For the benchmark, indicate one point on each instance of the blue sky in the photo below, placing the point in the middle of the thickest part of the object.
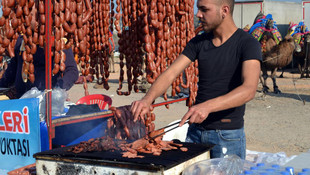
(195, 7)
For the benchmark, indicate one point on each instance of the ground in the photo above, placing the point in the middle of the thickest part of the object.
(273, 122)
(280, 122)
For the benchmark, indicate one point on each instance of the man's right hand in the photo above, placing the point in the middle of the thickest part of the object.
(160, 85)
(140, 108)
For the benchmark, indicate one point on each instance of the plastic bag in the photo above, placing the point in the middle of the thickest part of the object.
(59, 97)
(230, 165)
(279, 158)
(35, 93)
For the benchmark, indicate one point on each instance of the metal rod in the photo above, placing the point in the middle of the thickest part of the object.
(48, 72)
(81, 118)
(104, 114)
(169, 102)
(97, 115)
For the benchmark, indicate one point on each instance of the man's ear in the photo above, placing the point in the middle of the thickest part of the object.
(226, 10)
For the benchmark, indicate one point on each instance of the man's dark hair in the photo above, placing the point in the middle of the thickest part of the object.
(231, 4)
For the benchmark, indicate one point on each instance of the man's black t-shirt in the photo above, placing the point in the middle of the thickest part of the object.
(220, 72)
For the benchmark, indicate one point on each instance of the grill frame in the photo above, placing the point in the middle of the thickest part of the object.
(86, 163)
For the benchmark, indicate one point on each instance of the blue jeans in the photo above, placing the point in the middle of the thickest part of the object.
(226, 142)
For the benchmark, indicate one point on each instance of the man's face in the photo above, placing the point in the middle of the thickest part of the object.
(209, 13)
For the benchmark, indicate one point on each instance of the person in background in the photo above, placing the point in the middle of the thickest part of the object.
(111, 52)
(229, 63)
(13, 74)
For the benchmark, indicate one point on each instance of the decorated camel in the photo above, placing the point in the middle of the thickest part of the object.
(277, 52)
(301, 36)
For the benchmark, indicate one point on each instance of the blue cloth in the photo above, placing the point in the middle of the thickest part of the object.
(298, 28)
(263, 22)
(227, 142)
(259, 24)
(13, 74)
(44, 136)
(75, 133)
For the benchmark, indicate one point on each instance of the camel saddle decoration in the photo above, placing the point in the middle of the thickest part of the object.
(297, 31)
(265, 24)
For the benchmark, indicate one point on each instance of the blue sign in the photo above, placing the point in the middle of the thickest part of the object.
(19, 133)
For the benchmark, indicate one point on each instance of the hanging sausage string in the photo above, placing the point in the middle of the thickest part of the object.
(152, 33)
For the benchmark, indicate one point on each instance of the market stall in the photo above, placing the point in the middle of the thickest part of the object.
(151, 35)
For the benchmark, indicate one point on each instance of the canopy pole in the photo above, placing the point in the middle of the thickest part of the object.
(48, 68)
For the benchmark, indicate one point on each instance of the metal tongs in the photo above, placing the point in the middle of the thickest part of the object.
(152, 138)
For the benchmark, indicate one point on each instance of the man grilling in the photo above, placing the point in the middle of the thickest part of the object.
(229, 67)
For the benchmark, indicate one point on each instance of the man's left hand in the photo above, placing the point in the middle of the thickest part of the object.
(195, 114)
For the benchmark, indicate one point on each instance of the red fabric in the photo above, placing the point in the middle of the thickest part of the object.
(260, 19)
(111, 43)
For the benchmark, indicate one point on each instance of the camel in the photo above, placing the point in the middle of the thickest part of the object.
(276, 56)
(277, 53)
(303, 57)
(301, 36)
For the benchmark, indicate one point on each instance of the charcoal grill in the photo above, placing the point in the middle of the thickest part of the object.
(173, 162)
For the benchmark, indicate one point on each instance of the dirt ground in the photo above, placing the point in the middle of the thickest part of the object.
(280, 122)
(273, 122)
